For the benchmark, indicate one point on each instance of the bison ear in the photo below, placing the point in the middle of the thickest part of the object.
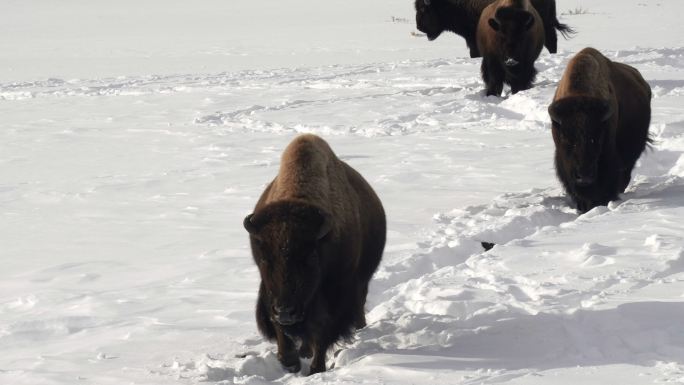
(529, 21)
(249, 225)
(326, 225)
(554, 115)
(494, 24)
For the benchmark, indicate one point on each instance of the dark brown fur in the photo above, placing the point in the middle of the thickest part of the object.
(600, 117)
(509, 31)
(317, 235)
(461, 17)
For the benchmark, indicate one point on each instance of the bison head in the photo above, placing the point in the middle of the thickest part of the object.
(285, 238)
(580, 127)
(427, 18)
(511, 26)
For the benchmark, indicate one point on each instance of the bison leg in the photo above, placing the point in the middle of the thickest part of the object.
(582, 206)
(472, 46)
(287, 352)
(264, 323)
(626, 178)
(305, 351)
(493, 75)
(322, 337)
(319, 353)
(523, 78)
(360, 316)
(360, 320)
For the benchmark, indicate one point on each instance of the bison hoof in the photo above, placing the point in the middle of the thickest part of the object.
(291, 364)
(317, 369)
(292, 368)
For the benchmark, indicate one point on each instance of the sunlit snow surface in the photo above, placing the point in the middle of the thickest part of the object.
(124, 181)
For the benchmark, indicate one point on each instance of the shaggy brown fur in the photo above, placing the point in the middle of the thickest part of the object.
(600, 117)
(510, 36)
(317, 235)
(461, 17)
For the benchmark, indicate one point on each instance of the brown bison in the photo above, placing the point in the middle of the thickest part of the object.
(510, 37)
(600, 116)
(461, 17)
(317, 235)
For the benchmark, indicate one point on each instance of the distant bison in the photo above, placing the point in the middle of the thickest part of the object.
(510, 37)
(317, 235)
(462, 16)
(600, 117)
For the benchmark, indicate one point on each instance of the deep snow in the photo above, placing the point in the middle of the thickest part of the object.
(136, 137)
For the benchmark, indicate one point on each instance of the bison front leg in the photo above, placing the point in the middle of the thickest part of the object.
(493, 75)
(523, 78)
(287, 352)
(360, 316)
(321, 338)
(306, 350)
(319, 352)
(472, 46)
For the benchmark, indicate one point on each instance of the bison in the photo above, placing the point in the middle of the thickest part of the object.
(600, 117)
(461, 17)
(510, 37)
(317, 235)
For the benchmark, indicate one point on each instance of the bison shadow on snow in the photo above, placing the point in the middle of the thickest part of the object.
(640, 333)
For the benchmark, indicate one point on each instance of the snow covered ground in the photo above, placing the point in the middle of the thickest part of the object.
(136, 136)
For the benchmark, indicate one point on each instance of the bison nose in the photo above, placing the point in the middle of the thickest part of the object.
(510, 62)
(286, 315)
(585, 179)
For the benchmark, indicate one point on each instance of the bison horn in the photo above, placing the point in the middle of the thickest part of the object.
(529, 22)
(554, 116)
(494, 24)
(608, 114)
(427, 2)
(249, 225)
(326, 226)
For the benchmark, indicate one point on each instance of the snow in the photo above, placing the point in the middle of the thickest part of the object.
(137, 136)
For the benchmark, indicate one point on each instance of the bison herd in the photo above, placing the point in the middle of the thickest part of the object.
(317, 233)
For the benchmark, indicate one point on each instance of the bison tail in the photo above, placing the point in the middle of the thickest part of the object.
(564, 29)
(650, 142)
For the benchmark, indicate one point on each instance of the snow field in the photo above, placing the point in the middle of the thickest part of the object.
(123, 193)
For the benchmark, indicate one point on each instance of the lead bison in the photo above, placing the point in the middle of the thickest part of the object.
(317, 235)
(461, 17)
(600, 117)
(510, 37)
